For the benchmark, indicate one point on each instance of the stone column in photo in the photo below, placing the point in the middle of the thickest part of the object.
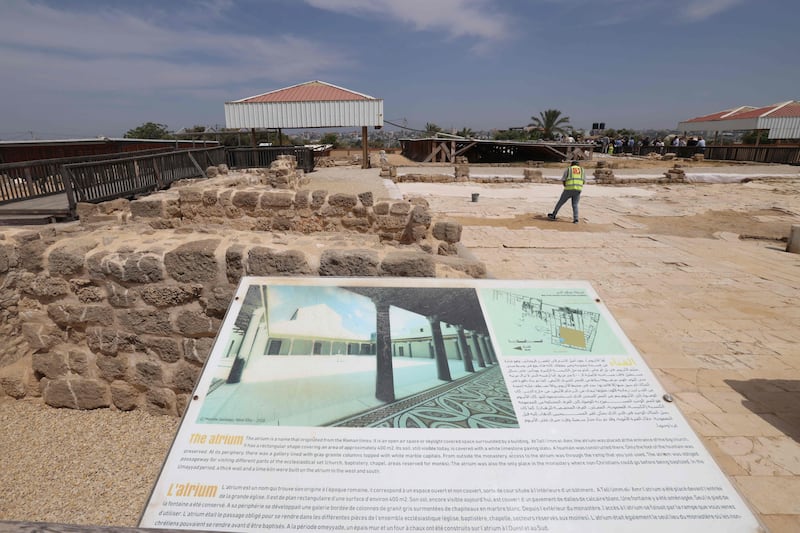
(439, 351)
(384, 378)
(467, 353)
(487, 345)
(478, 350)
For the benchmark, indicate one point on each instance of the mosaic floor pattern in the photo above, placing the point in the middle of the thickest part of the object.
(476, 401)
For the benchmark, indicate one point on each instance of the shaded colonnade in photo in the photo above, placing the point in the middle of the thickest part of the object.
(459, 307)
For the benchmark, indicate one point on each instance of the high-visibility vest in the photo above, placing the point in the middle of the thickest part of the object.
(574, 181)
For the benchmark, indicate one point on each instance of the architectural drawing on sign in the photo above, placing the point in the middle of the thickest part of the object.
(559, 325)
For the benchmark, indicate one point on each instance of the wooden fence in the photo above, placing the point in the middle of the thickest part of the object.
(35, 179)
(264, 156)
(100, 181)
(788, 155)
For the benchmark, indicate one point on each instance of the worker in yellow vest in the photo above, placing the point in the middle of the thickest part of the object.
(573, 179)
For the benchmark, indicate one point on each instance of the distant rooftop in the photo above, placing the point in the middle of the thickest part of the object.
(311, 91)
(780, 110)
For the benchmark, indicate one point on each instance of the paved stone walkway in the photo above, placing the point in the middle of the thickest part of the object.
(717, 319)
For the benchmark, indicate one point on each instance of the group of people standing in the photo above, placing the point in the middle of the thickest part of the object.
(629, 145)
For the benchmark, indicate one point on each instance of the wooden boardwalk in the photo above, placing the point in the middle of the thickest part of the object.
(43, 210)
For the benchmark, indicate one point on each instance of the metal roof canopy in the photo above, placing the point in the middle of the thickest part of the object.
(782, 120)
(314, 104)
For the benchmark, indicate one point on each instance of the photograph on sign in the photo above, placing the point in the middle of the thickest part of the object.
(306, 356)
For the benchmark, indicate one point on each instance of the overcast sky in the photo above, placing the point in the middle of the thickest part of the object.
(80, 68)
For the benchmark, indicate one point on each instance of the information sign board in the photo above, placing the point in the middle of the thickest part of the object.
(385, 404)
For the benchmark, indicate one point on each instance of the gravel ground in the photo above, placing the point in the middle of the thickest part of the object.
(78, 467)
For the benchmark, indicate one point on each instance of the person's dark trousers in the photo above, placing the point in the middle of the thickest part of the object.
(568, 195)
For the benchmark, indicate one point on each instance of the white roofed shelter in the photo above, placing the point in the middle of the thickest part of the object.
(314, 104)
(781, 120)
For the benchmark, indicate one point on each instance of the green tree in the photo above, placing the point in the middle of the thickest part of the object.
(149, 130)
(432, 129)
(465, 132)
(330, 138)
(761, 135)
(551, 122)
(511, 135)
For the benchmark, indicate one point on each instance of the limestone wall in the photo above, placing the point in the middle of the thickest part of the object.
(120, 309)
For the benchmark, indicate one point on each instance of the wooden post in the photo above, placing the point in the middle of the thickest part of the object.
(364, 148)
(253, 139)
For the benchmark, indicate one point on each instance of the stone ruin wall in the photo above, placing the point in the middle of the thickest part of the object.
(93, 317)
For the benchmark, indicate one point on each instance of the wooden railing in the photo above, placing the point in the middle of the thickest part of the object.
(35, 179)
(789, 155)
(100, 181)
(264, 156)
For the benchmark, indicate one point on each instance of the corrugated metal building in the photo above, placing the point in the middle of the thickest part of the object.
(314, 104)
(782, 120)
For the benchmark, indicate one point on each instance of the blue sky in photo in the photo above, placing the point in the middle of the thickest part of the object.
(357, 311)
(81, 68)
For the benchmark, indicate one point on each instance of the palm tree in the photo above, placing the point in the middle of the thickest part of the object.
(465, 132)
(550, 122)
(432, 129)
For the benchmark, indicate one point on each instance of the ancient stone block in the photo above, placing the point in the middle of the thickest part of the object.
(197, 350)
(391, 222)
(42, 336)
(345, 201)
(193, 324)
(318, 198)
(447, 231)
(85, 290)
(14, 384)
(400, 208)
(78, 362)
(277, 200)
(50, 364)
(471, 267)
(217, 302)
(381, 208)
(152, 322)
(302, 199)
(126, 266)
(79, 316)
(147, 208)
(366, 198)
(184, 376)
(120, 296)
(110, 341)
(124, 396)
(420, 216)
(209, 197)
(357, 224)
(281, 223)
(8, 257)
(43, 287)
(212, 172)
(413, 233)
(30, 255)
(266, 262)
(148, 374)
(112, 368)
(190, 195)
(167, 349)
(68, 259)
(246, 200)
(348, 263)
(447, 248)
(193, 262)
(234, 263)
(77, 393)
(408, 264)
(169, 295)
(160, 401)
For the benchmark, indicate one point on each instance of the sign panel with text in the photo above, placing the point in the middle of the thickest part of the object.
(387, 404)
